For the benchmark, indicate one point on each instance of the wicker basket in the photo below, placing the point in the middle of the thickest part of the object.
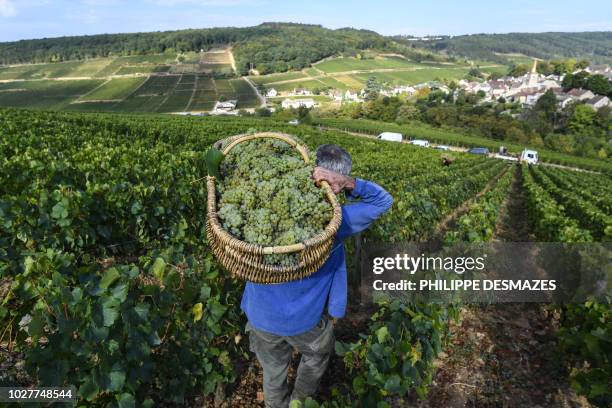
(246, 260)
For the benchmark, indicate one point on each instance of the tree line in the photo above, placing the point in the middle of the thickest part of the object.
(268, 47)
(596, 46)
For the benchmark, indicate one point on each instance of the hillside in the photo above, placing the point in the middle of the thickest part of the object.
(594, 46)
(280, 47)
(268, 47)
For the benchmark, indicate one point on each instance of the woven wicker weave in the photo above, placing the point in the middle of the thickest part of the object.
(246, 260)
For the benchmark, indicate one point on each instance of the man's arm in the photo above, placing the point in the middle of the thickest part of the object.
(374, 202)
(356, 217)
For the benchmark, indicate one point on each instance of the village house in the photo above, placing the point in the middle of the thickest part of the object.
(296, 103)
(481, 86)
(401, 89)
(439, 86)
(527, 97)
(300, 92)
(225, 108)
(498, 88)
(598, 102)
(549, 84)
(469, 86)
(463, 83)
(564, 100)
(581, 94)
(335, 95)
(598, 69)
(554, 77)
(350, 96)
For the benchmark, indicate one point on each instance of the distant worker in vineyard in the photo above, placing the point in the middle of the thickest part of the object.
(291, 315)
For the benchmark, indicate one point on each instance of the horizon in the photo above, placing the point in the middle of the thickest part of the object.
(38, 19)
(310, 24)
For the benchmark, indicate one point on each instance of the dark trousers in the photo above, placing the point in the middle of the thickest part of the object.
(274, 355)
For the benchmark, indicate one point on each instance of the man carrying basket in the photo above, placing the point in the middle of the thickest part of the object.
(291, 315)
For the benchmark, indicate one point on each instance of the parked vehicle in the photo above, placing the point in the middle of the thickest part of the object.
(391, 136)
(444, 148)
(422, 143)
(479, 150)
(294, 122)
(529, 156)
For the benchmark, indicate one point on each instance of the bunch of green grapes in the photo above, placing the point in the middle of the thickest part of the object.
(267, 197)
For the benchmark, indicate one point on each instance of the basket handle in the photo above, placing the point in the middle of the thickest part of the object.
(270, 135)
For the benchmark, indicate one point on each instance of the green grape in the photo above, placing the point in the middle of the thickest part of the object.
(267, 197)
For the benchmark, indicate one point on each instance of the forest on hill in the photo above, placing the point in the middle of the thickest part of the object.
(268, 47)
(279, 47)
(594, 46)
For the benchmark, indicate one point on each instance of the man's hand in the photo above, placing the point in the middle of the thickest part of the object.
(336, 181)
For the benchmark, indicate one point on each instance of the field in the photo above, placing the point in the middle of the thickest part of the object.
(265, 79)
(415, 77)
(104, 250)
(216, 61)
(354, 64)
(209, 90)
(243, 91)
(58, 70)
(164, 93)
(290, 86)
(212, 61)
(140, 83)
(114, 89)
(352, 73)
(150, 96)
(178, 100)
(136, 64)
(98, 68)
(44, 94)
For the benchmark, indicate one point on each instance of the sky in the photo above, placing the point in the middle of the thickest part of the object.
(25, 19)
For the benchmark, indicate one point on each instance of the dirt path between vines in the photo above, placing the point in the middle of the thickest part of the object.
(448, 221)
(512, 224)
(504, 355)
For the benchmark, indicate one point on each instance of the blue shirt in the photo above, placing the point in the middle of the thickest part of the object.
(291, 308)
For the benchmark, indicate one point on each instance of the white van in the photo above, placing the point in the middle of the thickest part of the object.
(391, 137)
(422, 143)
(529, 156)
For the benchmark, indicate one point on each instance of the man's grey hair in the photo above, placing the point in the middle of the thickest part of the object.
(333, 157)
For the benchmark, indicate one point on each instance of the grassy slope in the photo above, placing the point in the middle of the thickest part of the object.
(117, 88)
(350, 64)
(141, 94)
(52, 95)
(339, 73)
